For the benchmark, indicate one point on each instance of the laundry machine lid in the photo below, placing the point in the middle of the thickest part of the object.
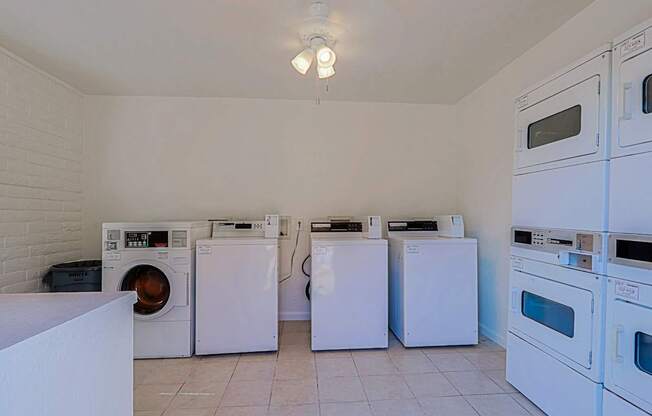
(234, 241)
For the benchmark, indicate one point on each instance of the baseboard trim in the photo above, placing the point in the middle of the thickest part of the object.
(294, 316)
(490, 333)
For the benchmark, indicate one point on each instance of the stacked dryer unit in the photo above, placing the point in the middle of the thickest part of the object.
(348, 296)
(433, 282)
(237, 287)
(628, 373)
(560, 194)
(157, 261)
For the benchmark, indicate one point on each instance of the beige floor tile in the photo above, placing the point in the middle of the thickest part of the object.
(140, 374)
(197, 396)
(375, 353)
(336, 367)
(405, 407)
(430, 385)
(242, 411)
(295, 338)
(496, 405)
(527, 404)
(487, 360)
(168, 372)
(374, 365)
(294, 410)
(401, 351)
(328, 355)
(345, 409)
(341, 389)
(498, 377)
(154, 396)
(289, 392)
(295, 370)
(295, 352)
(254, 371)
(447, 406)
(190, 412)
(473, 382)
(385, 388)
(259, 356)
(211, 372)
(219, 358)
(247, 393)
(296, 326)
(407, 364)
(451, 362)
(148, 413)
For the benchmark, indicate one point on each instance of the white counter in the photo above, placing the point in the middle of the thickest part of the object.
(66, 354)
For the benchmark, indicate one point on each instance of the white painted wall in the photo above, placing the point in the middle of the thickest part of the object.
(486, 137)
(40, 174)
(195, 158)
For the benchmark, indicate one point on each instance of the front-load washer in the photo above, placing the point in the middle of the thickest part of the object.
(433, 285)
(237, 287)
(561, 163)
(556, 319)
(156, 260)
(628, 372)
(348, 296)
(631, 150)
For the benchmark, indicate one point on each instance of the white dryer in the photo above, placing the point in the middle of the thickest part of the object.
(561, 152)
(555, 342)
(237, 287)
(631, 150)
(433, 285)
(156, 260)
(628, 372)
(348, 297)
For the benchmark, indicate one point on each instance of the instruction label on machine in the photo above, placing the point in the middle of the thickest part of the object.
(627, 290)
(412, 249)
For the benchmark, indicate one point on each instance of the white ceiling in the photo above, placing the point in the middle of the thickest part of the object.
(420, 51)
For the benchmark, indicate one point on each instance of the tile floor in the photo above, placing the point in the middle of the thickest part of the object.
(450, 381)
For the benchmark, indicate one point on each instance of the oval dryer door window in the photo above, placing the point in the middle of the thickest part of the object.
(151, 286)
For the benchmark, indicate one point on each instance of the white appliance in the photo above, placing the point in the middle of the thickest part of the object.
(556, 319)
(562, 127)
(157, 261)
(450, 225)
(237, 288)
(433, 285)
(348, 284)
(631, 150)
(629, 321)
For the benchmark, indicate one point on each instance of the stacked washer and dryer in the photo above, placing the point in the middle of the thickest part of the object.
(628, 375)
(558, 255)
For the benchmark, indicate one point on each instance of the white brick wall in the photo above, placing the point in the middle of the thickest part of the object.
(40, 174)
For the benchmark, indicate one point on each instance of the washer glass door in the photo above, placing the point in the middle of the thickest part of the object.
(151, 286)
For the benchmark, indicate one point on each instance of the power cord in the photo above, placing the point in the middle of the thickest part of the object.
(294, 251)
(303, 269)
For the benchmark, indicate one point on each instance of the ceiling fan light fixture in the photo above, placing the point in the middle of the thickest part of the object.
(325, 71)
(326, 57)
(303, 61)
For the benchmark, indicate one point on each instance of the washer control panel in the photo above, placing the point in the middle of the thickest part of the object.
(146, 239)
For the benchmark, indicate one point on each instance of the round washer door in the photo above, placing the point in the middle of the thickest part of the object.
(152, 287)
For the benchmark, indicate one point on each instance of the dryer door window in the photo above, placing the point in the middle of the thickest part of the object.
(560, 126)
(644, 352)
(151, 286)
(647, 95)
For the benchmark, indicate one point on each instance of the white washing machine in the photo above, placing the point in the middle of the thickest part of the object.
(555, 344)
(156, 260)
(629, 322)
(237, 287)
(349, 284)
(433, 285)
(631, 150)
(562, 144)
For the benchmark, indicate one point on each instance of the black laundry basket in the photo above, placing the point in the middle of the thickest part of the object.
(76, 276)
